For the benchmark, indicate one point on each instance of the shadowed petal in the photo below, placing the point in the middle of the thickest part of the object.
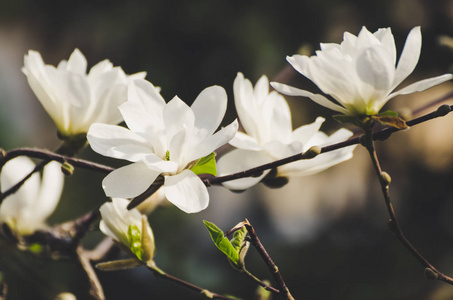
(240, 160)
(186, 191)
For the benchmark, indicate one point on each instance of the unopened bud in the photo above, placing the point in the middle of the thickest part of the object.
(312, 152)
(67, 168)
(386, 179)
(443, 110)
(431, 274)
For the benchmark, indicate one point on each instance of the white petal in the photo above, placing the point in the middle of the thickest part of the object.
(322, 161)
(176, 115)
(241, 160)
(117, 142)
(246, 106)
(376, 71)
(159, 165)
(246, 142)
(186, 191)
(77, 63)
(143, 111)
(421, 85)
(129, 181)
(220, 138)
(12, 172)
(304, 133)
(116, 219)
(50, 192)
(209, 108)
(409, 56)
(388, 42)
(321, 100)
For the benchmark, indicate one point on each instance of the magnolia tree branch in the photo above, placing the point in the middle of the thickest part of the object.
(213, 180)
(281, 285)
(384, 179)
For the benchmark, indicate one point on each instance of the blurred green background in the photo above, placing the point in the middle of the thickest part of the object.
(327, 233)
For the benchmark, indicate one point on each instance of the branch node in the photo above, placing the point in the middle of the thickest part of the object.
(443, 110)
(385, 178)
(312, 152)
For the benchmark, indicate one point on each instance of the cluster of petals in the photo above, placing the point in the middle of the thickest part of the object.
(163, 139)
(27, 210)
(266, 119)
(360, 73)
(116, 220)
(73, 98)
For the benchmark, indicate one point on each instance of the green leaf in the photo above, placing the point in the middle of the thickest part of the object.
(222, 242)
(388, 113)
(206, 165)
(135, 241)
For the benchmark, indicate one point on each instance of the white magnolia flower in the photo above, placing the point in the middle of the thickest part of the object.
(165, 139)
(126, 226)
(360, 72)
(269, 136)
(73, 98)
(27, 210)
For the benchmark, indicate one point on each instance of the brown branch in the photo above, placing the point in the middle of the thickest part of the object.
(284, 291)
(384, 179)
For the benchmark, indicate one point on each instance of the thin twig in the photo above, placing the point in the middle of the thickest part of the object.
(384, 179)
(260, 282)
(284, 291)
(83, 260)
(208, 294)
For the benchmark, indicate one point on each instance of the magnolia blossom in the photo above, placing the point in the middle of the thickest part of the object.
(166, 139)
(269, 136)
(27, 210)
(360, 72)
(126, 226)
(74, 99)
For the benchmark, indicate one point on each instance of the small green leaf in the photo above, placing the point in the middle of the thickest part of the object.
(135, 241)
(205, 165)
(388, 113)
(222, 242)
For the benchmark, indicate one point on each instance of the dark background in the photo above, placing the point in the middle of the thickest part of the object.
(338, 247)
